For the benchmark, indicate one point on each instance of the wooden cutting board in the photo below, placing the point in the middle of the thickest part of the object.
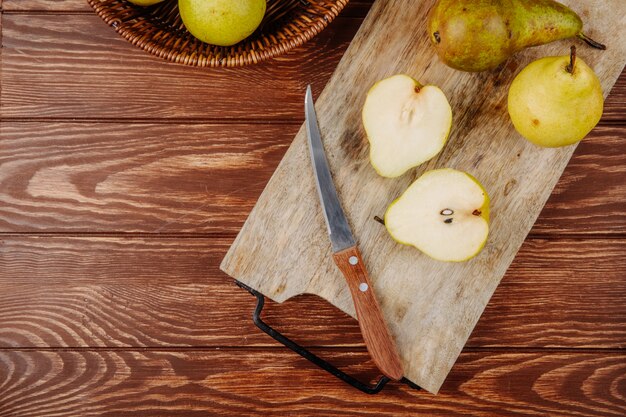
(283, 249)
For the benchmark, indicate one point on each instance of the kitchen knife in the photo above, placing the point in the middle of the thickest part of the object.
(346, 255)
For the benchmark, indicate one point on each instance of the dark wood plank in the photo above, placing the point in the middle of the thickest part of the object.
(589, 197)
(199, 178)
(264, 382)
(551, 286)
(136, 292)
(52, 69)
(133, 177)
(85, 69)
(45, 5)
(615, 104)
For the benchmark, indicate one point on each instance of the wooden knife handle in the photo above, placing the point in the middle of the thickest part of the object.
(380, 344)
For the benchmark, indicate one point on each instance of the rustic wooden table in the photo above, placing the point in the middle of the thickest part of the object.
(124, 179)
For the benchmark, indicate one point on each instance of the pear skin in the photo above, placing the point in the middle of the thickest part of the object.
(222, 22)
(556, 101)
(479, 35)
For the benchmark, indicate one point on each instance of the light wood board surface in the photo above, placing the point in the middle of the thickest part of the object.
(431, 307)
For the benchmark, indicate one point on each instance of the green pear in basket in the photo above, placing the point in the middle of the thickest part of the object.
(145, 2)
(222, 22)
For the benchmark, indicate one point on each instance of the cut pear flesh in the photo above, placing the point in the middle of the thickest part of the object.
(444, 213)
(406, 124)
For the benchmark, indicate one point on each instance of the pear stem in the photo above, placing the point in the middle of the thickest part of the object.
(591, 42)
(572, 60)
(379, 220)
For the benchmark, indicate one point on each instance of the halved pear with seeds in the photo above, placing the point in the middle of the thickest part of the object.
(406, 124)
(444, 213)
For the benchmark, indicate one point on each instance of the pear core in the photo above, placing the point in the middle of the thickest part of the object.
(406, 124)
(444, 213)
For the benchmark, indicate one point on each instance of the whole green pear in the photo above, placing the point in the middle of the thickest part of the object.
(222, 22)
(145, 2)
(555, 101)
(478, 35)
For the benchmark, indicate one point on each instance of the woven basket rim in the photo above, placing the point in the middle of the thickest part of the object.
(170, 53)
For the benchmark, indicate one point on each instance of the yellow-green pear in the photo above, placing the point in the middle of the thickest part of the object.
(479, 35)
(444, 213)
(556, 101)
(145, 2)
(222, 22)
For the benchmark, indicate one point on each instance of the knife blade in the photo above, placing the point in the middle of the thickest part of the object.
(347, 257)
(338, 228)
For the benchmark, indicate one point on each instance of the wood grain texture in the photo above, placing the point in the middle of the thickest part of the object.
(144, 292)
(85, 70)
(205, 178)
(595, 184)
(379, 342)
(430, 306)
(229, 382)
(171, 334)
(94, 77)
(134, 177)
(45, 6)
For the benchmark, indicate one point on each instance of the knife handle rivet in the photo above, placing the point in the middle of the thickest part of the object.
(353, 260)
(363, 287)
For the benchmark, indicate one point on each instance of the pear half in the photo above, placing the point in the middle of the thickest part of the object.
(444, 213)
(406, 124)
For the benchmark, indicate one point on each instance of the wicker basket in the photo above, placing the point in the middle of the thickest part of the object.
(159, 30)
